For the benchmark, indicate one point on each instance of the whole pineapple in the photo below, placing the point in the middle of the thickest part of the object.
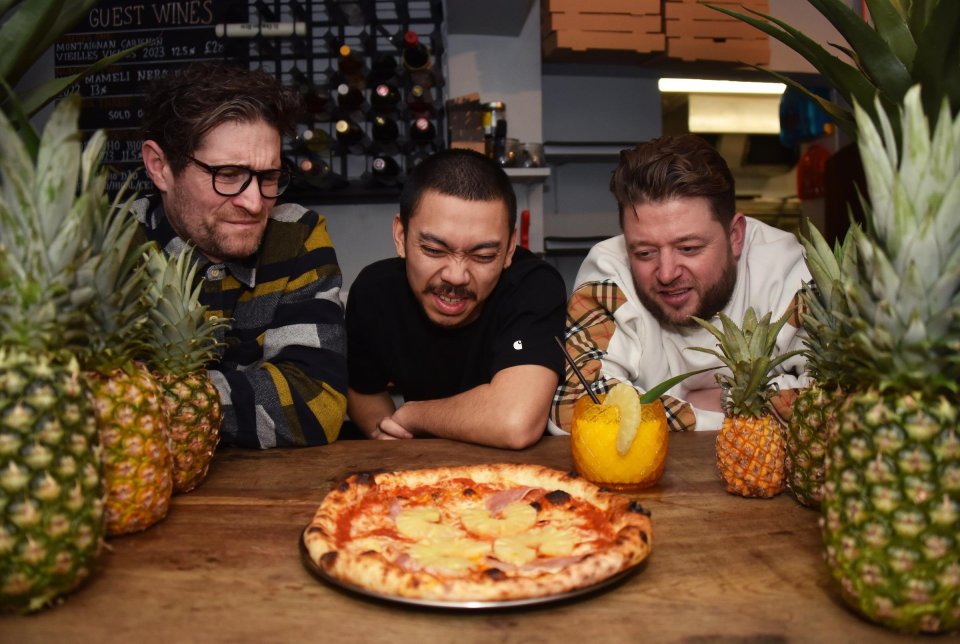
(891, 506)
(182, 343)
(815, 409)
(750, 445)
(127, 399)
(51, 506)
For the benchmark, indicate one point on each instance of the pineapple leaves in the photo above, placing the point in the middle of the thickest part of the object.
(874, 55)
(937, 64)
(846, 79)
(747, 351)
(893, 29)
(58, 165)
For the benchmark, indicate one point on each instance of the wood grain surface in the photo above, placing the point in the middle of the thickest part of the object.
(224, 565)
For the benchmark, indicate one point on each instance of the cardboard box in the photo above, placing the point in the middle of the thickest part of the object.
(695, 11)
(590, 40)
(712, 29)
(752, 51)
(633, 7)
(602, 22)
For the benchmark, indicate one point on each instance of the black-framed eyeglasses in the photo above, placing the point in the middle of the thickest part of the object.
(231, 180)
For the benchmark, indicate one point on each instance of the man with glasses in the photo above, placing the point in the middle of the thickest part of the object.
(461, 325)
(212, 147)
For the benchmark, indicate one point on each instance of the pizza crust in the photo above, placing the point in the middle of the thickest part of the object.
(582, 535)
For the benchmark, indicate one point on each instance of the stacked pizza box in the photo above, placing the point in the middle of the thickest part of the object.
(584, 25)
(697, 32)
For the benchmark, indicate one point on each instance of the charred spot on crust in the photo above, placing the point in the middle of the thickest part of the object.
(643, 537)
(536, 506)
(557, 497)
(328, 559)
(344, 486)
(468, 492)
(573, 474)
(495, 574)
(315, 530)
(365, 478)
(639, 509)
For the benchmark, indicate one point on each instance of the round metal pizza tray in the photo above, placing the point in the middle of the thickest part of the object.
(604, 584)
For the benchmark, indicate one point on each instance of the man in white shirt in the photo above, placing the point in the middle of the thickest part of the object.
(684, 252)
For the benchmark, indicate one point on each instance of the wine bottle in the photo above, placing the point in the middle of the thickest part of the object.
(420, 100)
(350, 135)
(349, 99)
(314, 167)
(382, 68)
(317, 172)
(385, 98)
(384, 129)
(351, 68)
(316, 101)
(385, 169)
(314, 140)
(417, 60)
(422, 131)
(415, 54)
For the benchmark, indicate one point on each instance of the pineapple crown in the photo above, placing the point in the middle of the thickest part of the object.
(46, 204)
(181, 339)
(824, 312)
(903, 288)
(747, 351)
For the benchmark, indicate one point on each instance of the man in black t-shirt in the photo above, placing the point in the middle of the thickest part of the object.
(461, 324)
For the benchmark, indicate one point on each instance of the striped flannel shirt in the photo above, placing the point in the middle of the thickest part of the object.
(591, 322)
(282, 370)
(612, 337)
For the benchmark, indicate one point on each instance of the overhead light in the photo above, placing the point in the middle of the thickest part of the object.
(701, 86)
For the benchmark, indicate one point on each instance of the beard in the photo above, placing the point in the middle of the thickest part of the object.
(209, 239)
(712, 299)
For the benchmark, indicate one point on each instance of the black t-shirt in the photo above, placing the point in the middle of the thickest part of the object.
(391, 340)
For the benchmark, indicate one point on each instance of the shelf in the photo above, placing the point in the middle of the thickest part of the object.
(560, 152)
(528, 175)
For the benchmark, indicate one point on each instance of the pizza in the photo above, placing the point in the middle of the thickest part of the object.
(475, 533)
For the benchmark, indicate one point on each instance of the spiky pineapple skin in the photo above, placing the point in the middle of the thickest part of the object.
(192, 406)
(51, 504)
(750, 456)
(891, 510)
(137, 462)
(813, 421)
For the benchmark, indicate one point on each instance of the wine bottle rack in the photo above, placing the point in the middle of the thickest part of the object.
(299, 42)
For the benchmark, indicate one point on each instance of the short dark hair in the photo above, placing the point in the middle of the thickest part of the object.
(183, 106)
(674, 167)
(458, 173)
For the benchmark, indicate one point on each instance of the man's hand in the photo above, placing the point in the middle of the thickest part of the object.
(782, 402)
(389, 429)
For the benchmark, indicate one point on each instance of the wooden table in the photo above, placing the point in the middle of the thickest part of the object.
(225, 566)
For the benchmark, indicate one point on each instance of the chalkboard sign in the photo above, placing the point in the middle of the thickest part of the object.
(176, 32)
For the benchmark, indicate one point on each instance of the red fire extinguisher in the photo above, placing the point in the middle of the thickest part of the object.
(525, 229)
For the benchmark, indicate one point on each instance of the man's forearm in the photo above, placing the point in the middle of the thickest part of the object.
(510, 412)
(366, 410)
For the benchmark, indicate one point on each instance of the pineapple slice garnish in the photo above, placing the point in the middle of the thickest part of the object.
(515, 518)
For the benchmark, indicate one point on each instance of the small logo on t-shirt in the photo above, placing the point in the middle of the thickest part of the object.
(518, 345)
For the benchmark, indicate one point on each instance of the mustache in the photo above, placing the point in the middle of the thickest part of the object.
(443, 289)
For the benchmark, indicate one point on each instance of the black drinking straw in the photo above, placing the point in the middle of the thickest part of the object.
(583, 380)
